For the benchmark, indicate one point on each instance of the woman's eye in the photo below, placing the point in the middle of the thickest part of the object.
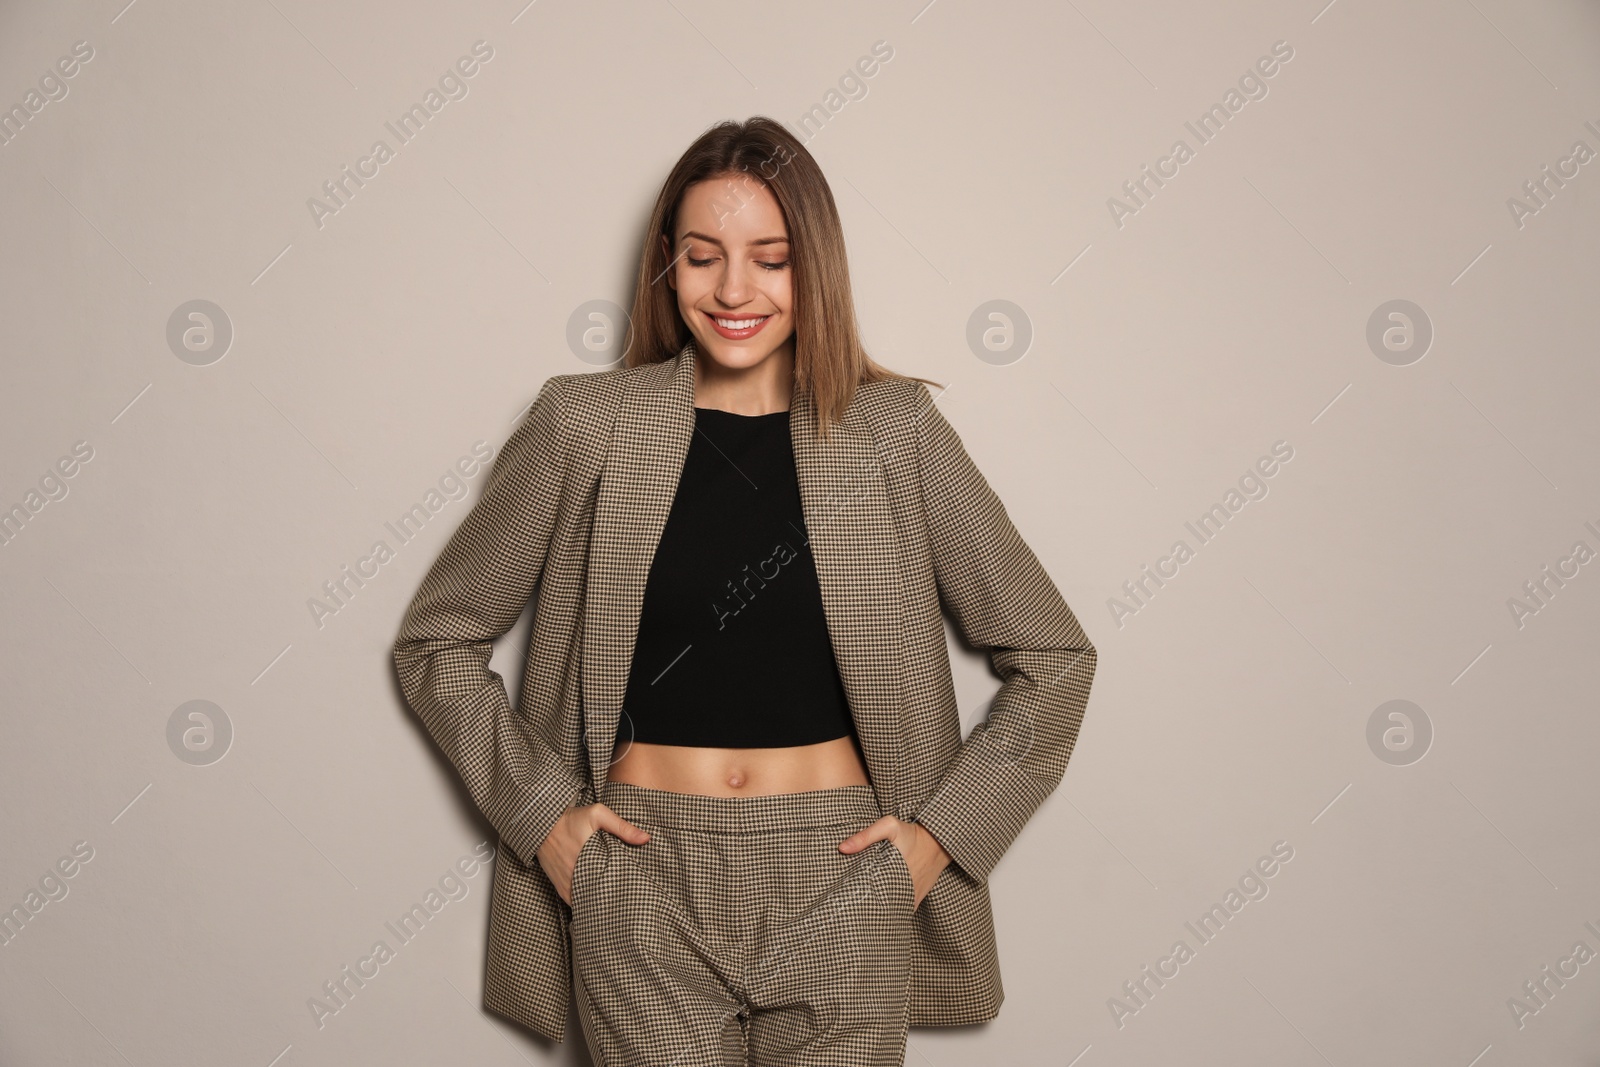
(768, 265)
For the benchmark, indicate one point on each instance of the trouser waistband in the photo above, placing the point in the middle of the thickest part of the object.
(841, 805)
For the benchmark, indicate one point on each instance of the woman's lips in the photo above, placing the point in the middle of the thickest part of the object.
(755, 322)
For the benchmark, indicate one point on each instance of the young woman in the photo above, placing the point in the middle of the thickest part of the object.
(738, 820)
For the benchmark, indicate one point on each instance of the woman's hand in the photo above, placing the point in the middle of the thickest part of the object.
(924, 855)
(558, 855)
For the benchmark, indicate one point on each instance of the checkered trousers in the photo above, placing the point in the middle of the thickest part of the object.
(740, 934)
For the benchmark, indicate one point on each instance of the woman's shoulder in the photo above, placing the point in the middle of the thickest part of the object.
(588, 401)
(889, 398)
(893, 406)
(592, 388)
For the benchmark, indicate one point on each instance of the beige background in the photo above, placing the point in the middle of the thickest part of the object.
(1230, 312)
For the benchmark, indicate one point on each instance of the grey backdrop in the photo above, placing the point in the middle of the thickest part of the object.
(1159, 341)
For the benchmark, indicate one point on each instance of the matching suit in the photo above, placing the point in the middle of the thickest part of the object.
(900, 521)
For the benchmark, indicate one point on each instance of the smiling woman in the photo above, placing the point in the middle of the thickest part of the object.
(747, 239)
(738, 725)
(734, 285)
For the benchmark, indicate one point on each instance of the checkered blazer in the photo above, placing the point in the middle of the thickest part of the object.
(899, 520)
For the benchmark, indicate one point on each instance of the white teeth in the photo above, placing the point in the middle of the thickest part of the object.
(739, 324)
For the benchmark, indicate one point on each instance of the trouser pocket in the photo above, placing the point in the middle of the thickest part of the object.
(590, 854)
(895, 872)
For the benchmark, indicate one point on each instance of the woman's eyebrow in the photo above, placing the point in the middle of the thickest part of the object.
(758, 241)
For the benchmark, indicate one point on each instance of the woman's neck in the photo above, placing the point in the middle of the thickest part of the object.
(761, 389)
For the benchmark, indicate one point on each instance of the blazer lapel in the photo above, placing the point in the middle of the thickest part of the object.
(638, 482)
(851, 531)
(850, 528)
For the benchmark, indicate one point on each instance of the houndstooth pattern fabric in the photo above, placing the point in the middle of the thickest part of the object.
(739, 933)
(900, 521)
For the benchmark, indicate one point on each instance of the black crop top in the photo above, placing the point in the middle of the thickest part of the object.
(733, 648)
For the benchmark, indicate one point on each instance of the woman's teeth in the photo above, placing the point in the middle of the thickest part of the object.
(739, 324)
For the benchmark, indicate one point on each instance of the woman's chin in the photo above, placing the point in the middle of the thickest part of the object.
(732, 355)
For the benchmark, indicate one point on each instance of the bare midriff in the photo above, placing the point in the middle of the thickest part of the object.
(733, 772)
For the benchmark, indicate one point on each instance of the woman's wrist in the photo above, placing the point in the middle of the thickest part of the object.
(945, 858)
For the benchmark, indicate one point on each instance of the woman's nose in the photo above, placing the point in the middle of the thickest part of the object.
(735, 285)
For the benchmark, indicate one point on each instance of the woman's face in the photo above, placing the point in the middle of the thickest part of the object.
(732, 272)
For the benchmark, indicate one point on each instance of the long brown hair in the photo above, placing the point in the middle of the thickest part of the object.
(829, 359)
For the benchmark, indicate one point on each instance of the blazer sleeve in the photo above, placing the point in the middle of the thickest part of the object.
(475, 592)
(1003, 600)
